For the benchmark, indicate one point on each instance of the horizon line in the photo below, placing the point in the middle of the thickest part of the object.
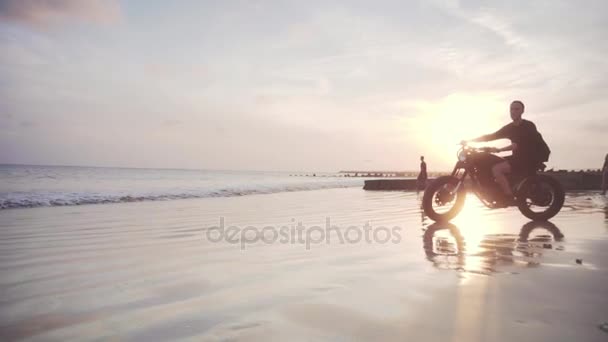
(246, 170)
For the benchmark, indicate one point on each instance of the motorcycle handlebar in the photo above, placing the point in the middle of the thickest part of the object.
(488, 149)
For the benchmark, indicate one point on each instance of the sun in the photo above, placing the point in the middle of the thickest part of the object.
(441, 125)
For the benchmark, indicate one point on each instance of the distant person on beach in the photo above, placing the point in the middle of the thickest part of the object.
(605, 176)
(422, 176)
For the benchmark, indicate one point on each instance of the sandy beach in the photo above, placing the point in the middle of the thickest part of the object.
(248, 170)
(161, 271)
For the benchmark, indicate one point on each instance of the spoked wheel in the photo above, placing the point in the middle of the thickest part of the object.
(441, 201)
(540, 198)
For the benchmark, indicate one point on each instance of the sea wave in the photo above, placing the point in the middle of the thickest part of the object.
(58, 198)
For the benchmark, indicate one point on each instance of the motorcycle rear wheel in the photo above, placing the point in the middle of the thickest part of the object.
(543, 192)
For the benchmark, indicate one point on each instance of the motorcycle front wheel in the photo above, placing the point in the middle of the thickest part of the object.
(441, 201)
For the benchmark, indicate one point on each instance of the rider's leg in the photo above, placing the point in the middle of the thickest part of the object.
(499, 170)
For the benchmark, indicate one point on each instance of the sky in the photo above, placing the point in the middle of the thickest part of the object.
(296, 85)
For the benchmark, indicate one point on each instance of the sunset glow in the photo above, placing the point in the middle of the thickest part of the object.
(294, 86)
(457, 117)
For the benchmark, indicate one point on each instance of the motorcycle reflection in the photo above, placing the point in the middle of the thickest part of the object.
(446, 248)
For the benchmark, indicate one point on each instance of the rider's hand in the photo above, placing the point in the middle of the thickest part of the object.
(494, 150)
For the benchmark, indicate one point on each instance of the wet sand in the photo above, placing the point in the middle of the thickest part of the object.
(148, 271)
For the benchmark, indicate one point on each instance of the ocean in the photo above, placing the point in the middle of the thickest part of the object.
(26, 186)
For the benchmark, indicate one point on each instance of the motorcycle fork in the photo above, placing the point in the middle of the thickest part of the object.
(461, 178)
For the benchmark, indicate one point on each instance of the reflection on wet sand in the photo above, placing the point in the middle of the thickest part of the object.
(446, 247)
(132, 272)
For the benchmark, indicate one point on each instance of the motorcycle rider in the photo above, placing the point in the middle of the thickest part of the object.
(529, 148)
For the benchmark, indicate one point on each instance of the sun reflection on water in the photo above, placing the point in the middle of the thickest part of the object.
(476, 243)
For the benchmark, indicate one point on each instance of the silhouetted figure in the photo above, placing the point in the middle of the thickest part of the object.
(422, 176)
(529, 148)
(605, 176)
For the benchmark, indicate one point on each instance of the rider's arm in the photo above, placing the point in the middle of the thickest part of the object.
(484, 138)
(511, 147)
(500, 134)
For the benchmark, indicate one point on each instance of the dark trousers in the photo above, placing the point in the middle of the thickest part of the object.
(421, 182)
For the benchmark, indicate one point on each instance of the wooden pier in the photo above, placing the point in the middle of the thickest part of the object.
(571, 181)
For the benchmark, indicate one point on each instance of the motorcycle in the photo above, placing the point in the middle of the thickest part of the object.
(539, 197)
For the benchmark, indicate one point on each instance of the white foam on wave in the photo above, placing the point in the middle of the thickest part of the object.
(62, 198)
(26, 186)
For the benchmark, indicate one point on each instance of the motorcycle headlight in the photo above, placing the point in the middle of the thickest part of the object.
(462, 156)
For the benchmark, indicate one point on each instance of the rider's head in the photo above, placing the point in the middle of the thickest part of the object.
(421, 158)
(517, 109)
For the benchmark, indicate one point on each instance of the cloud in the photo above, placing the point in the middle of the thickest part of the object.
(596, 127)
(328, 78)
(172, 123)
(500, 27)
(27, 124)
(42, 14)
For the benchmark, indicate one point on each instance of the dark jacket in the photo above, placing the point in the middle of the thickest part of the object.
(531, 146)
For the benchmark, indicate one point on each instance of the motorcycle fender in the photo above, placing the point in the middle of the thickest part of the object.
(523, 183)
